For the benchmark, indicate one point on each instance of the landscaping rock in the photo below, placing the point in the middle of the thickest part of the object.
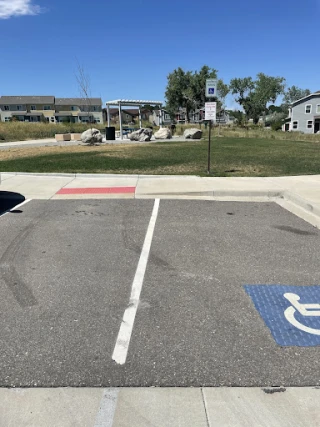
(143, 134)
(91, 136)
(163, 133)
(193, 134)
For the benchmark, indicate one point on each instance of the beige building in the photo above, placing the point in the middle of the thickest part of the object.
(50, 109)
(27, 108)
(78, 110)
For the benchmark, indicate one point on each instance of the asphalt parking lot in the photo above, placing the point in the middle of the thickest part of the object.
(67, 271)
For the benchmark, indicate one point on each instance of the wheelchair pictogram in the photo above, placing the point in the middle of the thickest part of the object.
(307, 310)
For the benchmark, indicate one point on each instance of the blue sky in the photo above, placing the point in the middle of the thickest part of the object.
(129, 47)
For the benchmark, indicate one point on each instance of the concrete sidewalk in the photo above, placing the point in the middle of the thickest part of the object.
(298, 194)
(52, 142)
(160, 407)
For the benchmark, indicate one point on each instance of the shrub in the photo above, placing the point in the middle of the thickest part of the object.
(20, 131)
(276, 125)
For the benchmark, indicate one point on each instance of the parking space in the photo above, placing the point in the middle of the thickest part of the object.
(67, 271)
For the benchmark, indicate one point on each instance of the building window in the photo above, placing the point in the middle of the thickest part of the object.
(33, 107)
(308, 108)
(167, 116)
(318, 108)
(74, 108)
(94, 108)
(309, 124)
(295, 125)
(19, 107)
(47, 107)
(6, 108)
(7, 119)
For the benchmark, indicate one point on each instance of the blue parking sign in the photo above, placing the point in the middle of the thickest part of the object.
(292, 313)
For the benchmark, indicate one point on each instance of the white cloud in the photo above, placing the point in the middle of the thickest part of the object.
(10, 8)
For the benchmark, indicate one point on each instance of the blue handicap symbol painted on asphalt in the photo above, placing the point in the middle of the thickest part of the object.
(292, 313)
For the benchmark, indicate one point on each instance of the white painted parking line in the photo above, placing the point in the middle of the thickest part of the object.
(15, 207)
(122, 345)
(107, 408)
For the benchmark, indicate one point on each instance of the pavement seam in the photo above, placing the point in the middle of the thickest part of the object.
(205, 406)
(53, 195)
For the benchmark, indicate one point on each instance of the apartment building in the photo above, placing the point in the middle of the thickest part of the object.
(50, 109)
(27, 108)
(78, 110)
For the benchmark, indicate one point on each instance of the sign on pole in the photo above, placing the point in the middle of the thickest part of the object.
(211, 88)
(210, 111)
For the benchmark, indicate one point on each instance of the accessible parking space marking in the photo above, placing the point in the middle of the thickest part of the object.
(122, 345)
(292, 313)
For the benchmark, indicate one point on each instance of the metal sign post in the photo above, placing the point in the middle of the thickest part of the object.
(209, 148)
(210, 115)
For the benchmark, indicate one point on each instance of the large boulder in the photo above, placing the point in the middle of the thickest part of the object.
(163, 133)
(141, 135)
(91, 136)
(193, 133)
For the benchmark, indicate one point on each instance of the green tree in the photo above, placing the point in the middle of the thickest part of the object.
(239, 116)
(254, 95)
(199, 85)
(293, 94)
(186, 89)
(178, 92)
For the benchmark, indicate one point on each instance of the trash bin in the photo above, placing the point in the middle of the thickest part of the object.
(110, 133)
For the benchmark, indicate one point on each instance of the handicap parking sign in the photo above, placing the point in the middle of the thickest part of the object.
(292, 313)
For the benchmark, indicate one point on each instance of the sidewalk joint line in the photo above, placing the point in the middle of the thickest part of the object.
(63, 187)
(205, 406)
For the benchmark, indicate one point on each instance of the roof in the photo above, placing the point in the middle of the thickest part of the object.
(133, 102)
(12, 100)
(115, 111)
(78, 101)
(131, 111)
(314, 94)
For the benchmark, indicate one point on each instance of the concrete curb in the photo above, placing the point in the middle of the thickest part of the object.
(218, 193)
(304, 208)
(303, 203)
(99, 175)
(51, 175)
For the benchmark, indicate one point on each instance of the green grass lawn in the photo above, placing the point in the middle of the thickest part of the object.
(230, 157)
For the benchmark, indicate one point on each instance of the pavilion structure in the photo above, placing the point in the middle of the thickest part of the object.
(132, 103)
